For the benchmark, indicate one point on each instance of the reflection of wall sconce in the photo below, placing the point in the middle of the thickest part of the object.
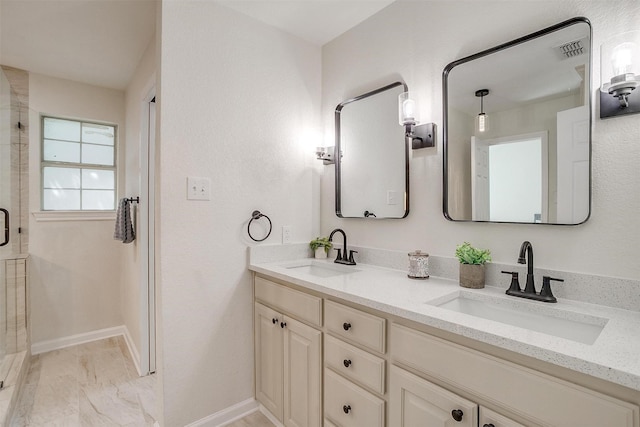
(326, 155)
(482, 120)
(422, 136)
(620, 75)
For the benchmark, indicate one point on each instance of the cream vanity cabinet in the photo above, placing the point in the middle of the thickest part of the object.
(288, 354)
(418, 402)
(536, 398)
(357, 367)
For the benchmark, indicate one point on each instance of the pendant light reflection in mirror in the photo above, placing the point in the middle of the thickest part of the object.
(482, 120)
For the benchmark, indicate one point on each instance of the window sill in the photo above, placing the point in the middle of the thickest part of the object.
(74, 215)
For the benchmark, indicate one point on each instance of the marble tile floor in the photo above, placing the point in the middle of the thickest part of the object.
(91, 384)
(255, 419)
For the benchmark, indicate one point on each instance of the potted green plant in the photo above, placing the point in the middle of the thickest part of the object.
(321, 246)
(472, 261)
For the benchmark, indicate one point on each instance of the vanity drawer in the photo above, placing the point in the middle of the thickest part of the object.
(297, 304)
(488, 417)
(355, 325)
(354, 363)
(520, 390)
(349, 405)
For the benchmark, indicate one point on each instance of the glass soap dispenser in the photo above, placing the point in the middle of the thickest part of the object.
(418, 265)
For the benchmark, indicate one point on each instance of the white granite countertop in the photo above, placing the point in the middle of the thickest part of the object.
(614, 356)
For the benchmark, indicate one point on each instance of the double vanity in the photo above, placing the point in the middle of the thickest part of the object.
(367, 346)
(344, 345)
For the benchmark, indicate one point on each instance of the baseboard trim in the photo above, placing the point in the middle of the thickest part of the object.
(133, 350)
(276, 422)
(59, 343)
(228, 415)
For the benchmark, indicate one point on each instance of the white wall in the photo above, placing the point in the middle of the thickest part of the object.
(416, 40)
(74, 282)
(236, 97)
(141, 83)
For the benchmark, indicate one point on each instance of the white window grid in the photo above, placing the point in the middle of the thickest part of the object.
(77, 165)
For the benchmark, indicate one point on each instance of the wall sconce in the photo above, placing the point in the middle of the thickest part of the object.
(482, 120)
(620, 75)
(422, 136)
(326, 154)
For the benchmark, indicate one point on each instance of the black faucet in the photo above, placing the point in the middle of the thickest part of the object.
(529, 291)
(343, 258)
(526, 247)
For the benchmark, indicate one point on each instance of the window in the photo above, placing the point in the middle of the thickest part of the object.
(78, 165)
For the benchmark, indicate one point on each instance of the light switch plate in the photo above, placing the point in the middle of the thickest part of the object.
(198, 188)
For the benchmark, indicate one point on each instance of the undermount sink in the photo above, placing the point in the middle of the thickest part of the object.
(321, 269)
(532, 316)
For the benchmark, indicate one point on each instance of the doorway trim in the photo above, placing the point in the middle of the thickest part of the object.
(147, 235)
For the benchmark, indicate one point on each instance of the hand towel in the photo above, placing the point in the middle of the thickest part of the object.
(124, 227)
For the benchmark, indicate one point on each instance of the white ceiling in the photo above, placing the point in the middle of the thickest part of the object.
(100, 42)
(317, 21)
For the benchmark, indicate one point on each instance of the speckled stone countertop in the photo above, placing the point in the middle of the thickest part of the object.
(614, 356)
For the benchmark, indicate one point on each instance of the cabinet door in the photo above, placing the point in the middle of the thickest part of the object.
(488, 418)
(302, 375)
(415, 402)
(268, 348)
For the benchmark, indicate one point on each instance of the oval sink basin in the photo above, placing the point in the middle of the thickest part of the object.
(321, 269)
(548, 320)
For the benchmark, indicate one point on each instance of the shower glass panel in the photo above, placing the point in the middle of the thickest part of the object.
(9, 191)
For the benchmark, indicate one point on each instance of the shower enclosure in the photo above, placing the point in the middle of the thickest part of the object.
(13, 241)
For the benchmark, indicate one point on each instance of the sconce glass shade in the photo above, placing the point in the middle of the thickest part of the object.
(406, 109)
(620, 64)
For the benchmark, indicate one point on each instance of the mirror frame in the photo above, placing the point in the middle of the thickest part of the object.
(338, 157)
(445, 118)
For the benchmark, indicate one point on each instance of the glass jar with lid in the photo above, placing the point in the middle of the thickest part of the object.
(418, 265)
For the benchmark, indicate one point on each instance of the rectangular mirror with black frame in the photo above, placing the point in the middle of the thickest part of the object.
(517, 130)
(372, 167)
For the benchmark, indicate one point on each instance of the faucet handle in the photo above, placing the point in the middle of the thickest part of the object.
(339, 257)
(546, 288)
(515, 283)
(351, 252)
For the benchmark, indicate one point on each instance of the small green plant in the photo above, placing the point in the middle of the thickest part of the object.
(467, 254)
(321, 242)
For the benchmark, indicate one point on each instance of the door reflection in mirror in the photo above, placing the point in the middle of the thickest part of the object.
(510, 178)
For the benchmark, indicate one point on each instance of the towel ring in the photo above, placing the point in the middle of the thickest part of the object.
(258, 215)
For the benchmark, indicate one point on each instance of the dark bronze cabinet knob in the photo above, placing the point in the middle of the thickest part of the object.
(488, 425)
(346, 326)
(283, 324)
(346, 363)
(457, 414)
(274, 320)
(346, 409)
